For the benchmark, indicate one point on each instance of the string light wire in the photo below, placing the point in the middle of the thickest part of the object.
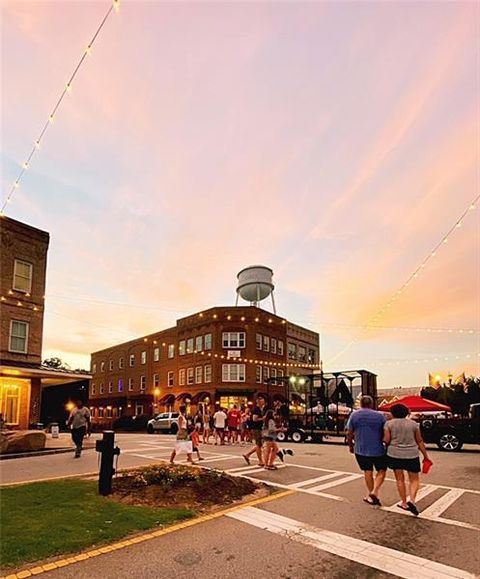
(444, 239)
(114, 7)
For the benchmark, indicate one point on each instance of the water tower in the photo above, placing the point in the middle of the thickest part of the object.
(255, 283)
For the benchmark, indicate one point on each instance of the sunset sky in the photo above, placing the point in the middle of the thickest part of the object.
(334, 142)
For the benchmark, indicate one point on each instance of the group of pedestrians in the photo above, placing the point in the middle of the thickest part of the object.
(380, 444)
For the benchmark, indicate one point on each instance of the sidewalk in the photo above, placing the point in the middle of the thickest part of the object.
(53, 446)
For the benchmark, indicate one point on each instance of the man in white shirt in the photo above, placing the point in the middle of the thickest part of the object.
(79, 422)
(219, 421)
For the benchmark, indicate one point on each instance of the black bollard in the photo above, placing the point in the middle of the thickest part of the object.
(107, 450)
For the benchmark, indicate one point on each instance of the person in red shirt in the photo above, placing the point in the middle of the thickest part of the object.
(233, 422)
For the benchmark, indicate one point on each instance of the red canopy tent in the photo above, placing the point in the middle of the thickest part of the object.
(417, 404)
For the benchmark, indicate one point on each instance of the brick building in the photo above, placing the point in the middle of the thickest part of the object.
(221, 355)
(23, 263)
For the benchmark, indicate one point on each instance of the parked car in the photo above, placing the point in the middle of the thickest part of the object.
(452, 433)
(131, 423)
(165, 422)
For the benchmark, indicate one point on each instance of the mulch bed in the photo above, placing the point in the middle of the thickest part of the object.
(188, 487)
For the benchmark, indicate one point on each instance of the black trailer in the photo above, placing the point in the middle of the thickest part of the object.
(314, 406)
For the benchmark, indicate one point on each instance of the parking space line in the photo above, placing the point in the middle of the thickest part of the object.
(442, 504)
(311, 481)
(369, 554)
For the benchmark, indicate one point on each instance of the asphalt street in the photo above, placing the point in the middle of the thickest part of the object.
(321, 529)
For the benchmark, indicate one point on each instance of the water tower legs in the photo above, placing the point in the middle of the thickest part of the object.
(273, 304)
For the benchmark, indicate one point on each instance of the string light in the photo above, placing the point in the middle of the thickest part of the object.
(472, 205)
(51, 117)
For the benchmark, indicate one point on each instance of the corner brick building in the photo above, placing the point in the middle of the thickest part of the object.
(23, 264)
(221, 355)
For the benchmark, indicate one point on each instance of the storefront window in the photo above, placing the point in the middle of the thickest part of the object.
(10, 406)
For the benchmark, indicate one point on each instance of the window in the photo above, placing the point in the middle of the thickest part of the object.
(108, 413)
(22, 276)
(100, 412)
(156, 354)
(120, 384)
(233, 339)
(280, 373)
(190, 346)
(102, 366)
(266, 373)
(259, 341)
(273, 345)
(302, 353)
(94, 368)
(143, 359)
(138, 409)
(132, 360)
(156, 380)
(280, 347)
(170, 379)
(190, 376)
(198, 374)
(233, 372)
(93, 389)
(110, 365)
(18, 336)
(266, 343)
(100, 391)
(273, 374)
(208, 341)
(292, 351)
(207, 373)
(171, 351)
(143, 382)
(120, 363)
(130, 384)
(258, 374)
(181, 348)
(312, 357)
(11, 403)
(199, 343)
(110, 387)
(181, 377)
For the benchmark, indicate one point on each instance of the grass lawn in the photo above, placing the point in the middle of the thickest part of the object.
(45, 519)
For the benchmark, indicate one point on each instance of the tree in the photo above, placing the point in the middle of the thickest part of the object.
(473, 389)
(56, 363)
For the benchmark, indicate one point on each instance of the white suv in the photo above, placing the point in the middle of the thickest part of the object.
(166, 422)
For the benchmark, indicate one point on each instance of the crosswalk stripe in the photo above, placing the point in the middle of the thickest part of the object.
(422, 493)
(442, 504)
(334, 483)
(372, 555)
(310, 481)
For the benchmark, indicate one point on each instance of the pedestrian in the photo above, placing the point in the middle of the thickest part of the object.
(182, 444)
(233, 421)
(244, 425)
(206, 427)
(269, 436)
(255, 428)
(79, 422)
(404, 441)
(220, 420)
(365, 439)
(195, 438)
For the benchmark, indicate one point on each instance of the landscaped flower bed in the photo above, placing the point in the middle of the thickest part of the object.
(189, 487)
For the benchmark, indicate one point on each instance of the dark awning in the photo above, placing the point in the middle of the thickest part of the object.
(167, 399)
(200, 397)
(183, 396)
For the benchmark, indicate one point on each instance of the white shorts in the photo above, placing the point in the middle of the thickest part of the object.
(184, 446)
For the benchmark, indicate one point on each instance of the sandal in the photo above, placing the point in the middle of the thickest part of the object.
(403, 508)
(247, 460)
(375, 500)
(412, 507)
(368, 501)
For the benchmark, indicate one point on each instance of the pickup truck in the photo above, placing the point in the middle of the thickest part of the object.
(451, 434)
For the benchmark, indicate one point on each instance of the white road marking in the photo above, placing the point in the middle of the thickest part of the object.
(334, 483)
(443, 503)
(422, 493)
(311, 481)
(289, 487)
(369, 554)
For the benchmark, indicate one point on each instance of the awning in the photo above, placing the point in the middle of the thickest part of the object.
(183, 396)
(200, 397)
(417, 404)
(167, 399)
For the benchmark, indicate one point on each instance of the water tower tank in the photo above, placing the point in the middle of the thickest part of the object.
(255, 283)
